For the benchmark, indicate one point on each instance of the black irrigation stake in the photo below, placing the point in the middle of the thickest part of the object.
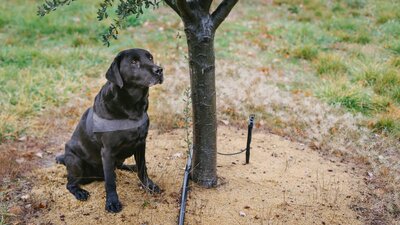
(250, 128)
(185, 188)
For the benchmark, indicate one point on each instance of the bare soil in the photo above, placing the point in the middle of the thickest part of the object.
(285, 183)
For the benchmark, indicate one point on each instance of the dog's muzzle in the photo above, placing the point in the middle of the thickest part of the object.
(158, 72)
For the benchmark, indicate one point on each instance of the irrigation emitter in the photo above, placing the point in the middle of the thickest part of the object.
(249, 131)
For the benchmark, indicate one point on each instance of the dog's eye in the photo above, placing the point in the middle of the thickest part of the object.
(151, 58)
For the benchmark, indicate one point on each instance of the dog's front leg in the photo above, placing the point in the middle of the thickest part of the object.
(112, 202)
(140, 159)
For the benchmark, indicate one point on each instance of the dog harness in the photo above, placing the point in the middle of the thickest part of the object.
(99, 125)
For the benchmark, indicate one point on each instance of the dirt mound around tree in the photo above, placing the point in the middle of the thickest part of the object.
(285, 183)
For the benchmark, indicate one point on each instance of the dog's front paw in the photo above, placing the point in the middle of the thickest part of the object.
(151, 187)
(113, 205)
(81, 194)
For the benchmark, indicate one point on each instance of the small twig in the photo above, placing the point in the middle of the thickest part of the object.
(187, 114)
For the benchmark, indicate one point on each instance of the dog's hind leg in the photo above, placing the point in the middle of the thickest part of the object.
(75, 169)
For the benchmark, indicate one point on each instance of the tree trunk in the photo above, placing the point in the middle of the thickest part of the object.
(202, 82)
(200, 27)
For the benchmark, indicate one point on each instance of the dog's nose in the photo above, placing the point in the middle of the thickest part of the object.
(158, 70)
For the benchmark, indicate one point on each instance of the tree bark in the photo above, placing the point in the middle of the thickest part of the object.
(202, 82)
(200, 27)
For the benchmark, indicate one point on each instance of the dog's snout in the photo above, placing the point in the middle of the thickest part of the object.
(158, 70)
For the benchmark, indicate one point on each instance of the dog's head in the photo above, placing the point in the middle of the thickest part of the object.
(134, 67)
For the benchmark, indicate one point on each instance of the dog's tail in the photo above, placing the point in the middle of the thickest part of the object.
(60, 159)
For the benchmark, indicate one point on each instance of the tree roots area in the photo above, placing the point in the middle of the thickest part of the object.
(285, 183)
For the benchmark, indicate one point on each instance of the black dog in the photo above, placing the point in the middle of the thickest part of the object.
(114, 129)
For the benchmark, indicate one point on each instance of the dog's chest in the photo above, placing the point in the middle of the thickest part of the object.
(130, 140)
(133, 142)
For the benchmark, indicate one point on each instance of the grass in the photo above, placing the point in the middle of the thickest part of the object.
(355, 45)
(307, 52)
(330, 65)
(353, 98)
(388, 125)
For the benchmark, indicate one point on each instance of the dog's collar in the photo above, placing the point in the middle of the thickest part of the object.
(100, 125)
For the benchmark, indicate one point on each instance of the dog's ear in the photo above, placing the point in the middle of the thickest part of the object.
(113, 74)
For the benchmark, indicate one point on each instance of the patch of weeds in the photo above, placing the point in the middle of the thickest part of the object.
(391, 29)
(319, 9)
(395, 61)
(394, 47)
(342, 23)
(386, 11)
(295, 33)
(349, 30)
(145, 204)
(383, 79)
(330, 64)
(388, 84)
(367, 73)
(353, 98)
(294, 9)
(388, 125)
(362, 38)
(3, 22)
(307, 52)
(356, 4)
(20, 58)
(338, 8)
(9, 130)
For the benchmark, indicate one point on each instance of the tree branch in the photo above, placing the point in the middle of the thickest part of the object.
(222, 11)
(52, 5)
(205, 4)
(172, 5)
(184, 9)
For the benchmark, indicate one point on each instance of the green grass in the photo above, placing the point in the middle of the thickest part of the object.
(386, 11)
(354, 98)
(387, 125)
(307, 52)
(381, 78)
(330, 65)
(395, 47)
(353, 47)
